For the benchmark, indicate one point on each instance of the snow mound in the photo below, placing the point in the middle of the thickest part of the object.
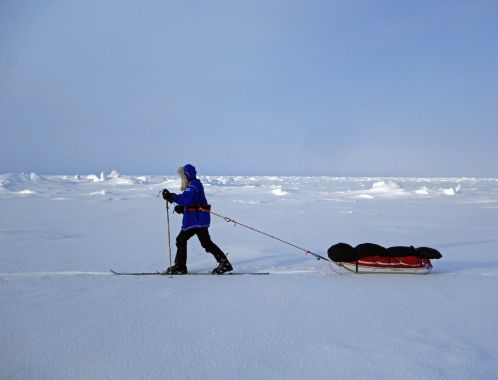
(363, 196)
(422, 191)
(20, 181)
(125, 181)
(94, 178)
(36, 177)
(279, 192)
(116, 178)
(143, 179)
(452, 190)
(114, 174)
(220, 181)
(99, 193)
(379, 189)
(387, 186)
(227, 180)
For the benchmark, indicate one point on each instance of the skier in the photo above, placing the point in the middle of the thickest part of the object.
(192, 203)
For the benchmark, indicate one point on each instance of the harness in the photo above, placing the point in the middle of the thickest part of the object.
(198, 208)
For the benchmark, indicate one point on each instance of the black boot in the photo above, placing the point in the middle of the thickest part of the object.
(177, 269)
(224, 266)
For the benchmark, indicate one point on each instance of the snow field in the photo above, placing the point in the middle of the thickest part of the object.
(63, 316)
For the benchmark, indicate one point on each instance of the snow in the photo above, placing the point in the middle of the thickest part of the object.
(64, 316)
(279, 191)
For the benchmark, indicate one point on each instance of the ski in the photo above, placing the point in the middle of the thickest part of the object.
(188, 274)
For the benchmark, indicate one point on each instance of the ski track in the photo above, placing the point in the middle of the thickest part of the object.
(64, 315)
(66, 273)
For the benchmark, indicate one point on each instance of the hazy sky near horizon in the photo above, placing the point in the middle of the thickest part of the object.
(379, 88)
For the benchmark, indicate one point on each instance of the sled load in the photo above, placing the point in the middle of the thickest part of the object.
(373, 258)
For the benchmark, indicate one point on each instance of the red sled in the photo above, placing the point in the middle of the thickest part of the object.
(380, 264)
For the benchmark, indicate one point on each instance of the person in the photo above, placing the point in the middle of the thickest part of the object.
(192, 203)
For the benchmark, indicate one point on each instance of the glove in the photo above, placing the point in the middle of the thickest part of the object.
(179, 209)
(168, 196)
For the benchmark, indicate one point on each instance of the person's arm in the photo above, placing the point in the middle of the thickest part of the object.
(187, 197)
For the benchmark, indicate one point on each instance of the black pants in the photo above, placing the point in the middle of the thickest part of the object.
(206, 242)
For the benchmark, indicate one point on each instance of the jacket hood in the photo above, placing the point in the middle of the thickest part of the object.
(190, 172)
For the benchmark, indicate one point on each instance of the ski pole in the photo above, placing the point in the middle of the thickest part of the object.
(169, 238)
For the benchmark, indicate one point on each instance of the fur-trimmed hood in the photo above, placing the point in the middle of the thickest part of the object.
(187, 173)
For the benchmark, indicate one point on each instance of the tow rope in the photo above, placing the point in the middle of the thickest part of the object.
(235, 223)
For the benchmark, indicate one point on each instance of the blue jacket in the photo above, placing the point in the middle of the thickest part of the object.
(193, 195)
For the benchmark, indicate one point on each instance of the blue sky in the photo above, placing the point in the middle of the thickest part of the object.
(381, 88)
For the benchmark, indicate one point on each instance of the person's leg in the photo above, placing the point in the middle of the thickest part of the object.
(181, 245)
(206, 242)
(209, 246)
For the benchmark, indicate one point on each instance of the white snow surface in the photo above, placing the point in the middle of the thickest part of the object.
(63, 316)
